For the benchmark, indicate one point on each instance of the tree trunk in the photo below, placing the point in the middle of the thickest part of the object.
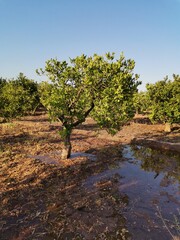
(34, 110)
(66, 151)
(167, 127)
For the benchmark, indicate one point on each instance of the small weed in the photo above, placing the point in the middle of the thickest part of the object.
(175, 224)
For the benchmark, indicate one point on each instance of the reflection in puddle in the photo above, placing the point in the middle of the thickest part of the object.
(151, 180)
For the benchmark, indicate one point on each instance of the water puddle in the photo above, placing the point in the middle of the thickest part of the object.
(151, 180)
(44, 159)
(54, 157)
(90, 156)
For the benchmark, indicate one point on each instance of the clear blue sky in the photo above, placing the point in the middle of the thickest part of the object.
(33, 31)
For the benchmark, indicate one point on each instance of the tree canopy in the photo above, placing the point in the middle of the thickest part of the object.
(96, 85)
(165, 100)
(18, 97)
(141, 102)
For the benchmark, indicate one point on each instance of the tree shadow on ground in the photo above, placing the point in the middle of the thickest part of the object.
(88, 127)
(20, 138)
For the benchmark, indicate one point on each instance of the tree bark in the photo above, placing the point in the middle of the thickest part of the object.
(66, 151)
(167, 127)
(66, 132)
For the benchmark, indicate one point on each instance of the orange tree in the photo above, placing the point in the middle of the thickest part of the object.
(18, 97)
(2, 84)
(164, 98)
(96, 85)
(141, 102)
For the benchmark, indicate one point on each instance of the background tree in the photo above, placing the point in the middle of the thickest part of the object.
(98, 85)
(141, 102)
(2, 83)
(31, 95)
(18, 97)
(165, 100)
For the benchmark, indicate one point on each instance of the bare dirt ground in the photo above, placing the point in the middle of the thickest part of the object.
(43, 197)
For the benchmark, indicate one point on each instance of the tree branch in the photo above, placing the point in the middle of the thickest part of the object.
(85, 115)
(77, 97)
(62, 119)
